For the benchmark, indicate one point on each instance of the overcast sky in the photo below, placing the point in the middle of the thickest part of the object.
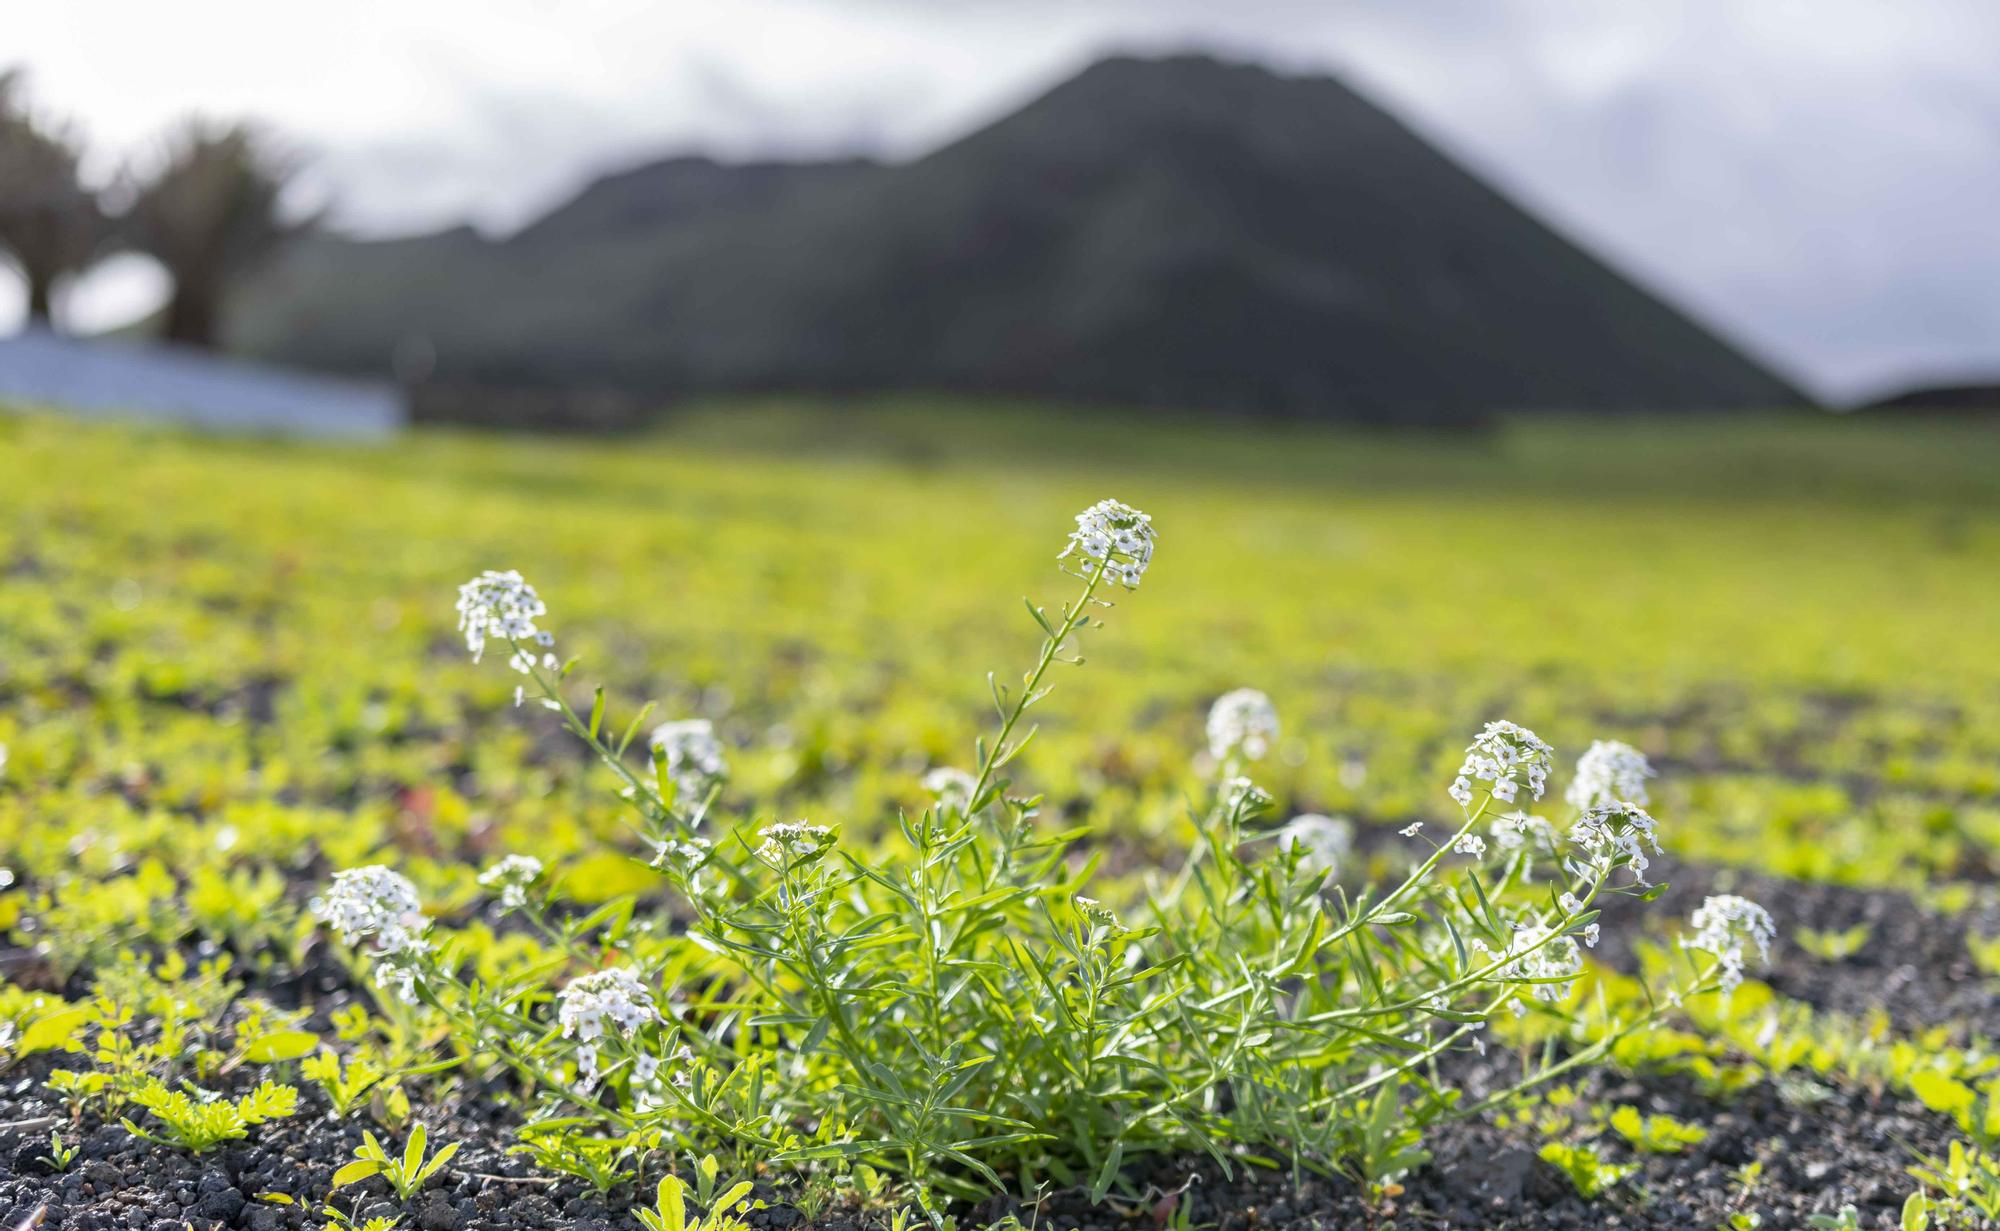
(1819, 177)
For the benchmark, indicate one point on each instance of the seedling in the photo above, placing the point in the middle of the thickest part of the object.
(405, 1173)
(670, 1212)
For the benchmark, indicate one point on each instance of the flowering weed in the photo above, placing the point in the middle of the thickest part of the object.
(972, 1010)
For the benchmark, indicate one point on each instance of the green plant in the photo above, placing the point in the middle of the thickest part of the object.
(1588, 1173)
(1655, 1134)
(1985, 952)
(32, 1022)
(405, 1173)
(335, 1216)
(1388, 1145)
(709, 1183)
(60, 1156)
(205, 1120)
(876, 999)
(80, 1090)
(1848, 1219)
(1967, 1180)
(1917, 1210)
(347, 1083)
(604, 1164)
(1832, 946)
(670, 1213)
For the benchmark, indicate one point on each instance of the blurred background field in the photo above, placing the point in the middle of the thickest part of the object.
(230, 650)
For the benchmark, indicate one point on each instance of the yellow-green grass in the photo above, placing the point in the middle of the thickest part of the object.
(224, 652)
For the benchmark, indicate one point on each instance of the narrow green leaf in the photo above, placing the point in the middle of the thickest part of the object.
(281, 1045)
(355, 1172)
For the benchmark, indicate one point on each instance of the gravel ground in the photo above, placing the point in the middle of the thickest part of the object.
(1819, 1150)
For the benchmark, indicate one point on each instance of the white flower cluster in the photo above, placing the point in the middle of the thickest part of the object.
(694, 756)
(1097, 913)
(1116, 535)
(1469, 844)
(374, 903)
(793, 841)
(1322, 842)
(1242, 721)
(1503, 756)
(589, 1001)
(1616, 836)
(1610, 773)
(1540, 955)
(512, 876)
(1721, 926)
(688, 856)
(502, 606)
(691, 853)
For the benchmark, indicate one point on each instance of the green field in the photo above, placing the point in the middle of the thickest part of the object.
(1794, 617)
(230, 669)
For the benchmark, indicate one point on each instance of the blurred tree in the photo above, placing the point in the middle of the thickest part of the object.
(50, 223)
(209, 213)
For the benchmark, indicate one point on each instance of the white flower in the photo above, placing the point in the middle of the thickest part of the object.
(614, 995)
(1322, 842)
(1097, 913)
(1412, 829)
(499, 605)
(1118, 536)
(1721, 925)
(1470, 844)
(374, 902)
(793, 841)
(398, 977)
(694, 756)
(952, 786)
(1616, 836)
(1503, 756)
(1539, 954)
(1242, 721)
(692, 853)
(1609, 773)
(512, 876)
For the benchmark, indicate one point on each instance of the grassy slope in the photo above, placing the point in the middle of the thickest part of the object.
(1795, 616)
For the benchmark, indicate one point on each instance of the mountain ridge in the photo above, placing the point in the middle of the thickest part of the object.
(1179, 231)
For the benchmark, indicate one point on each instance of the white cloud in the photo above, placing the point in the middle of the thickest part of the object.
(1814, 174)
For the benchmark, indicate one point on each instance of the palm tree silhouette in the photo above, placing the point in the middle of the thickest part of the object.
(209, 213)
(50, 223)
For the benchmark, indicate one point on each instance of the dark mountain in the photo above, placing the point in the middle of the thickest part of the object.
(676, 191)
(1978, 396)
(1171, 232)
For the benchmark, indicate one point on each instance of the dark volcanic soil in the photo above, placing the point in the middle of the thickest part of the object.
(1819, 1147)
(1915, 964)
